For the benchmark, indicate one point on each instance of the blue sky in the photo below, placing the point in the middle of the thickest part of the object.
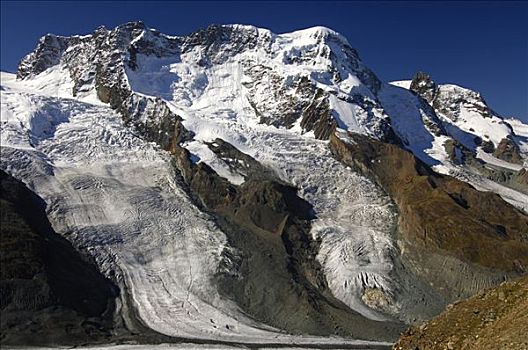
(479, 45)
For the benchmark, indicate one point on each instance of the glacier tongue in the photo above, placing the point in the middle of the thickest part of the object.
(114, 196)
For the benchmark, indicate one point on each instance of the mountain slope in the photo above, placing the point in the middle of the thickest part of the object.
(442, 218)
(492, 319)
(190, 167)
(50, 293)
(118, 198)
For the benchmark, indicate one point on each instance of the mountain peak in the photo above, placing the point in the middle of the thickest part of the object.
(319, 32)
(131, 25)
(423, 85)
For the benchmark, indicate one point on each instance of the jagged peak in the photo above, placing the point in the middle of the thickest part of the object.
(248, 28)
(422, 80)
(131, 26)
(423, 85)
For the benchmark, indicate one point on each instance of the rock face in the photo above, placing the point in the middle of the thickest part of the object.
(47, 54)
(492, 319)
(477, 142)
(441, 215)
(50, 293)
(424, 86)
(468, 119)
(102, 60)
(449, 100)
(264, 218)
(509, 151)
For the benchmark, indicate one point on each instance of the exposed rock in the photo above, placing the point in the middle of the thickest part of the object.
(317, 117)
(221, 42)
(153, 119)
(264, 219)
(48, 53)
(522, 177)
(424, 86)
(449, 101)
(508, 150)
(49, 292)
(452, 237)
(500, 323)
(440, 212)
(240, 162)
(99, 61)
(455, 151)
(272, 259)
(376, 299)
(487, 146)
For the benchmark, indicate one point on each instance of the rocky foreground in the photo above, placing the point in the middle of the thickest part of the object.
(492, 319)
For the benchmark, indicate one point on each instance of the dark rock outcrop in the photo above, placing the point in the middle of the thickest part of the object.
(487, 146)
(48, 53)
(317, 117)
(50, 294)
(424, 86)
(240, 162)
(455, 151)
(448, 100)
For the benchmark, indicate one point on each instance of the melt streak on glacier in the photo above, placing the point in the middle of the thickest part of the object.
(114, 196)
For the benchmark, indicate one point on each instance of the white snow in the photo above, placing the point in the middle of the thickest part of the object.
(407, 118)
(515, 198)
(406, 115)
(356, 251)
(406, 84)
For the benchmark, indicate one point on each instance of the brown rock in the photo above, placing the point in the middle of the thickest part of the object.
(508, 150)
(507, 330)
(440, 212)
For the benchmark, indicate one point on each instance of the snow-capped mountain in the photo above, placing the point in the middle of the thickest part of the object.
(467, 118)
(196, 171)
(453, 130)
